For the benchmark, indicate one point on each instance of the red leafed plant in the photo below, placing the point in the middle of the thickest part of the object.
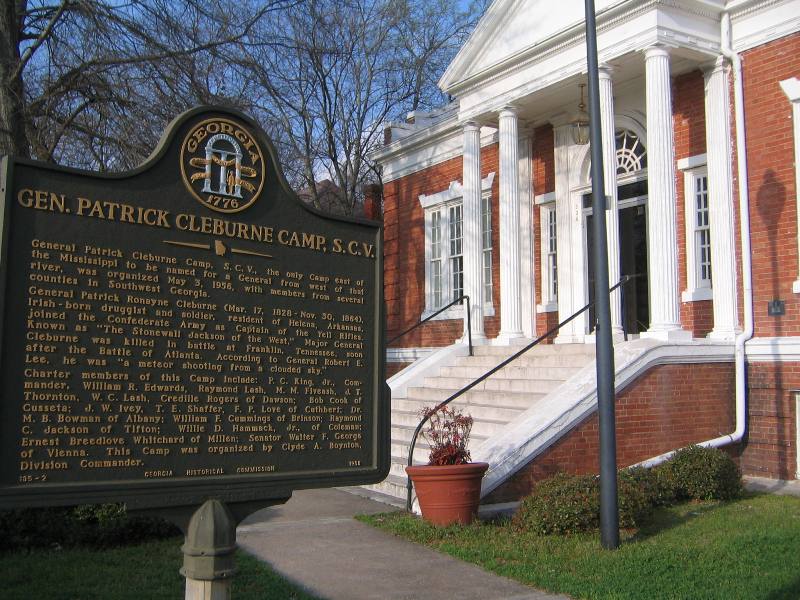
(447, 433)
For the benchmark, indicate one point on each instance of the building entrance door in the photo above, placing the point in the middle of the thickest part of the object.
(632, 215)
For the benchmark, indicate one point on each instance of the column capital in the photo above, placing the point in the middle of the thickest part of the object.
(605, 70)
(471, 126)
(508, 110)
(656, 52)
(714, 66)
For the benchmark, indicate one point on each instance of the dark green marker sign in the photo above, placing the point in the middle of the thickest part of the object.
(187, 330)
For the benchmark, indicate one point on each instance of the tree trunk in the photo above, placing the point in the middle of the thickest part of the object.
(12, 125)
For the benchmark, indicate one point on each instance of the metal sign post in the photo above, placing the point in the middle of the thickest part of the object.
(609, 509)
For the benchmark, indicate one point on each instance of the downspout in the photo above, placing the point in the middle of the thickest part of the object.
(747, 276)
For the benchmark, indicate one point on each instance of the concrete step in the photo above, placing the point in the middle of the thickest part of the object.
(484, 427)
(398, 469)
(393, 485)
(492, 403)
(543, 349)
(490, 385)
(403, 433)
(532, 359)
(510, 372)
(399, 450)
(428, 395)
(521, 400)
(476, 411)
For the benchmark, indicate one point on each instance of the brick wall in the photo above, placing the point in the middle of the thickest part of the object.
(773, 197)
(404, 252)
(771, 442)
(689, 123)
(392, 368)
(668, 407)
(544, 182)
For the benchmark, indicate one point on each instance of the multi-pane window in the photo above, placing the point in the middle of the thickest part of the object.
(702, 233)
(437, 269)
(549, 255)
(552, 262)
(456, 250)
(486, 240)
(698, 229)
(445, 256)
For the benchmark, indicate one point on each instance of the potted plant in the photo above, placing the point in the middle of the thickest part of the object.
(449, 486)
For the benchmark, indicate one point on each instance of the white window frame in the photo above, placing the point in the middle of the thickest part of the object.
(697, 287)
(549, 271)
(441, 203)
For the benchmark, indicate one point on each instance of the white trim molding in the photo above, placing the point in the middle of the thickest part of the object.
(756, 22)
(773, 349)
(426, 147)
(791, 87)
(694, 172)
(406, 355)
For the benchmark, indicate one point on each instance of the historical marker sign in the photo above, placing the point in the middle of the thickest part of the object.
(187, 330)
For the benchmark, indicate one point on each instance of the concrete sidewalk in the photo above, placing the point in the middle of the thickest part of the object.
(314, 541)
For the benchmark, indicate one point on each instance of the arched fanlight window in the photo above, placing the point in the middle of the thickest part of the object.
(631, 153)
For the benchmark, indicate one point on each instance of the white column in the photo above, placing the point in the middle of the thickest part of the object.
(510, 300)
(526, 243)
(662, 251)
(472, 249)
(791, 87)
(610, 178)
(720, 203)
(571, 266)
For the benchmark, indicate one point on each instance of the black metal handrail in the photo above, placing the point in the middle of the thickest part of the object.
(623, 280)
(438, 312)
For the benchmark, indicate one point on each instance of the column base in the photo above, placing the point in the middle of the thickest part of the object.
(569, 338)
(796, 286)
(477, 340)
(616, 336)
(668, 335)
(723, 335)
(510, 339)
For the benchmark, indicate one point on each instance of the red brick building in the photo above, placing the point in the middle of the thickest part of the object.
(490, 197)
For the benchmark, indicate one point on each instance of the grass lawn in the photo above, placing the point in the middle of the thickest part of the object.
(148, 570)
(747, 549)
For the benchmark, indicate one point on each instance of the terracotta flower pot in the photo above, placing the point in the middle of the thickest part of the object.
(448, 494)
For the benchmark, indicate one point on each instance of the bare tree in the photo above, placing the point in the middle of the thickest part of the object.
(340, 69)
(107, 76)
(92, 83)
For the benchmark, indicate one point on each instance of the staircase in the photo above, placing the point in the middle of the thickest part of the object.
(493, 404)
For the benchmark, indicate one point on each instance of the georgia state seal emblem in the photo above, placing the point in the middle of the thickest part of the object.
(222, 165)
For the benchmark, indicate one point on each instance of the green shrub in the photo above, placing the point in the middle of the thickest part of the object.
(704, 474)
(95, 525)
(561, 504)
(571, 503)
(655, 483)
(634, 500)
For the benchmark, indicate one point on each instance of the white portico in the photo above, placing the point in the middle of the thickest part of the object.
(500, 182)
(521, 69)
